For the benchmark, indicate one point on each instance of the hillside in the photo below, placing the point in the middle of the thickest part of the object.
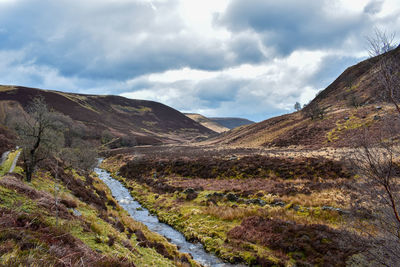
(231, 123)
(147, 122)
(73, 221)
(355, 99)
(206, 122)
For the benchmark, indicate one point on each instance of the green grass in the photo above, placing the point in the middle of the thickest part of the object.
(90, 228)
(5, 167)
(192, 220)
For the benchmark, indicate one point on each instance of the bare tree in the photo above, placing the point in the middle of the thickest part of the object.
(82, 155)
(376, 195)
(381, 46)
(314, 111)
(38, 133)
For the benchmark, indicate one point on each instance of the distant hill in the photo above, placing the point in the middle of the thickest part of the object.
(232, 123)
(147, 121)
(206, 122)
(351, 103)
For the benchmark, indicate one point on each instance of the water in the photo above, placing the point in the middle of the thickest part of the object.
(137, 212)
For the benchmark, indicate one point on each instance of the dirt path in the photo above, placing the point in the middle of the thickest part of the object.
(15, 162)
(4, 157)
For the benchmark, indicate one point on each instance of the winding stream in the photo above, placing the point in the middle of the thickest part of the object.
(137, 212)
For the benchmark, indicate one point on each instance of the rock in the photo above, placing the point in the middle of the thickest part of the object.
(346, 118)
(340, 211)
(232, 197)
(77, 213)
(256, 201)
(278, 203)
(296, 207)
(262, 203)
(189, 191)
(378, 107)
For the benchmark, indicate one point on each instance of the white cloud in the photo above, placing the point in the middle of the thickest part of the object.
(184, 54)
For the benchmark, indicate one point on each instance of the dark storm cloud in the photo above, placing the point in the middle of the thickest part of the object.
(259, 57)
(106, 40)
(288, 25)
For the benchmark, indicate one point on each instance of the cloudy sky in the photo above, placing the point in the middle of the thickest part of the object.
(246, 58)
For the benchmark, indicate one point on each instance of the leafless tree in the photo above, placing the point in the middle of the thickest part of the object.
(376, 196)
(38, 134)
(382, 46)
(314, 111)
(81, 155)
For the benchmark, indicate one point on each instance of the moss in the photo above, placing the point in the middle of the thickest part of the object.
(12, 200)
(351, 124)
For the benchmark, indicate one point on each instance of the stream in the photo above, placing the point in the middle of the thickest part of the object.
(140, 214)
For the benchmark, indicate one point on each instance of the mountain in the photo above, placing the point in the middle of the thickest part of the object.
(147, 122)
(232, 123)
(206, 122)
(354, 100)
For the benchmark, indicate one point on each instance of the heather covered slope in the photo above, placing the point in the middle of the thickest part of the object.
(149, 122)
(354, 100)
(73, 220)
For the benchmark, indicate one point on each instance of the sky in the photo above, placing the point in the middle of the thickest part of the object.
(220, 58)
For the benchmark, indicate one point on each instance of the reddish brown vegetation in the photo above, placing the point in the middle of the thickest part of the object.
(246, 167)
(43, 199)
(307, 244)
(29, 232)
(6, 140)
(84, 190)
(124, 117)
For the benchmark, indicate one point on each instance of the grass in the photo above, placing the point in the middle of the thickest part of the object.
(80, 100)
(141, 110)
(94, 228)
(5, 88)
(351, 124)
(210, 222)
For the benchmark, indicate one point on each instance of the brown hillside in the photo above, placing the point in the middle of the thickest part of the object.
(231, 123)
(352, 102)
(206, 122)
(149, 122)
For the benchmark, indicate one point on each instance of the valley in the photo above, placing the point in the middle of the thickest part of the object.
(307, 188)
